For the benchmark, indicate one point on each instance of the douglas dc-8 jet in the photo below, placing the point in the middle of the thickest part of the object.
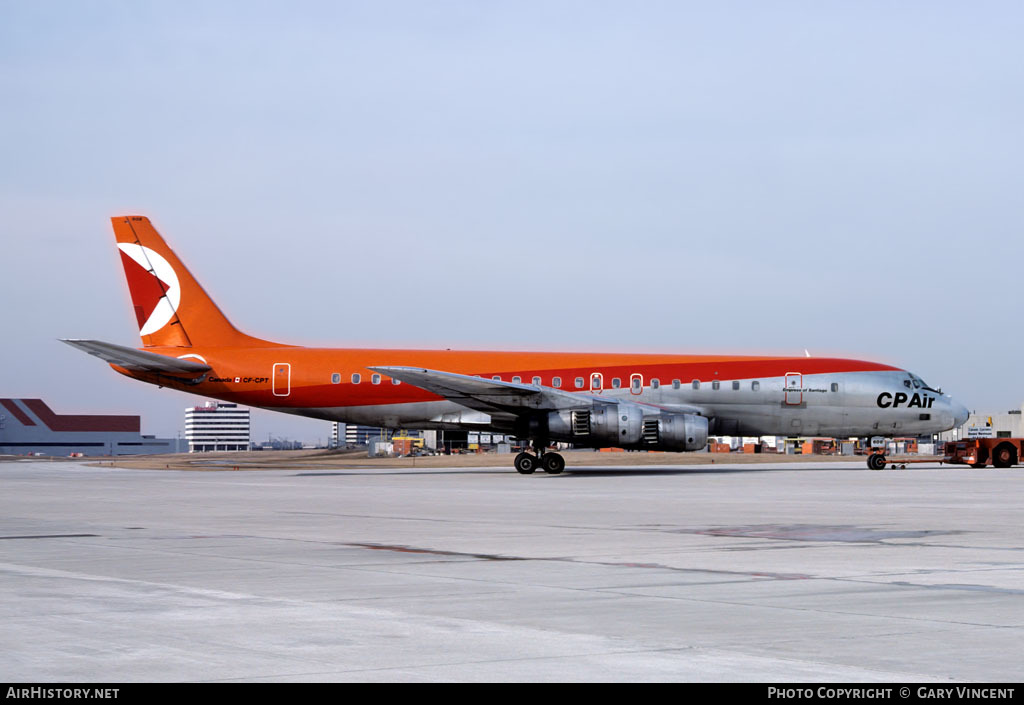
(597, 400)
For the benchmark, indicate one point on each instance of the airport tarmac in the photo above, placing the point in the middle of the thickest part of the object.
(770, 572)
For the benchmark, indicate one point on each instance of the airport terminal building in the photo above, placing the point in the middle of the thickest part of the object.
(30, 427)
(989, 424)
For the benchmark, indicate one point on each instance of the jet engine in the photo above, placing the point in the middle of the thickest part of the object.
(625, 426)
(601, 425)
(675, 432)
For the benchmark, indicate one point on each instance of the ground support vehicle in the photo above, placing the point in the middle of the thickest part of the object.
(977, 452)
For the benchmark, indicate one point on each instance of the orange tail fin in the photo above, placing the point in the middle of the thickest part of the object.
(171, 307)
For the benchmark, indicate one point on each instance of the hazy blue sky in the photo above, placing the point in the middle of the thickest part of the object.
(844, 177)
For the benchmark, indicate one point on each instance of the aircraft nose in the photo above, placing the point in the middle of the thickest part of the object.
(960, 412)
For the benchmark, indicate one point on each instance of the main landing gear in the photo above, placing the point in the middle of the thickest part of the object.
(528, 463)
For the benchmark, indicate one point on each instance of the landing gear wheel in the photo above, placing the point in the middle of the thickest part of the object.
(876, 461)
(525, 463)
(552, 463)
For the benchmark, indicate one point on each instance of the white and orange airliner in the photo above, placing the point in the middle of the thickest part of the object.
(650, 401)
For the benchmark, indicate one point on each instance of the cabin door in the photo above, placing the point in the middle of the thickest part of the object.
(282, 379)
(794, 388)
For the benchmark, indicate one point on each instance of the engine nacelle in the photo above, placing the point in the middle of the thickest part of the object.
(601, 425)
(675, 432)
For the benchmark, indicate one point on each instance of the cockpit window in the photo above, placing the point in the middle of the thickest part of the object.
(918, 383)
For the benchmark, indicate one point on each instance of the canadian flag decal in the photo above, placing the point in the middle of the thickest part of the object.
(153, 285)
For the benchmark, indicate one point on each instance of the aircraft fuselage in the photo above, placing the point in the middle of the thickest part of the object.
(750, 396)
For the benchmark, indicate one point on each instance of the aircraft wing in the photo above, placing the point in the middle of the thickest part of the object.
(492, 395)
(140, 360)
(486, 395)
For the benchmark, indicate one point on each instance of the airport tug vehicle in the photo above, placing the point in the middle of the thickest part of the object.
(977, 452)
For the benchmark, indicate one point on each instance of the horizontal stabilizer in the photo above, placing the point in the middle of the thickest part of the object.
(140, 360)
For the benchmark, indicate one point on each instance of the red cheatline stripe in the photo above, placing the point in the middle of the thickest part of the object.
(18, 413)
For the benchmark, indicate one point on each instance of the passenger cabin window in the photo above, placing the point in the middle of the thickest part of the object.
(556, 382)
(396, 382)
(579, 383)
(835, 386)
(695, 384)
(355, 378)
(517, 379)
(715, 385)
(655, 383)
(336, 378)
(755, 385)
(736, 386)
(616, 382)
(636, 383)
(676, 384)
(496, 378)
(375, 379)
(595, 382)
(536, 380)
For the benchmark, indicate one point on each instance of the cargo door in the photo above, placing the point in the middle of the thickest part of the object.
(794, 388)
(282, 379)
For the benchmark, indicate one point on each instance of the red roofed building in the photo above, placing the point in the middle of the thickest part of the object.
(29, 426)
